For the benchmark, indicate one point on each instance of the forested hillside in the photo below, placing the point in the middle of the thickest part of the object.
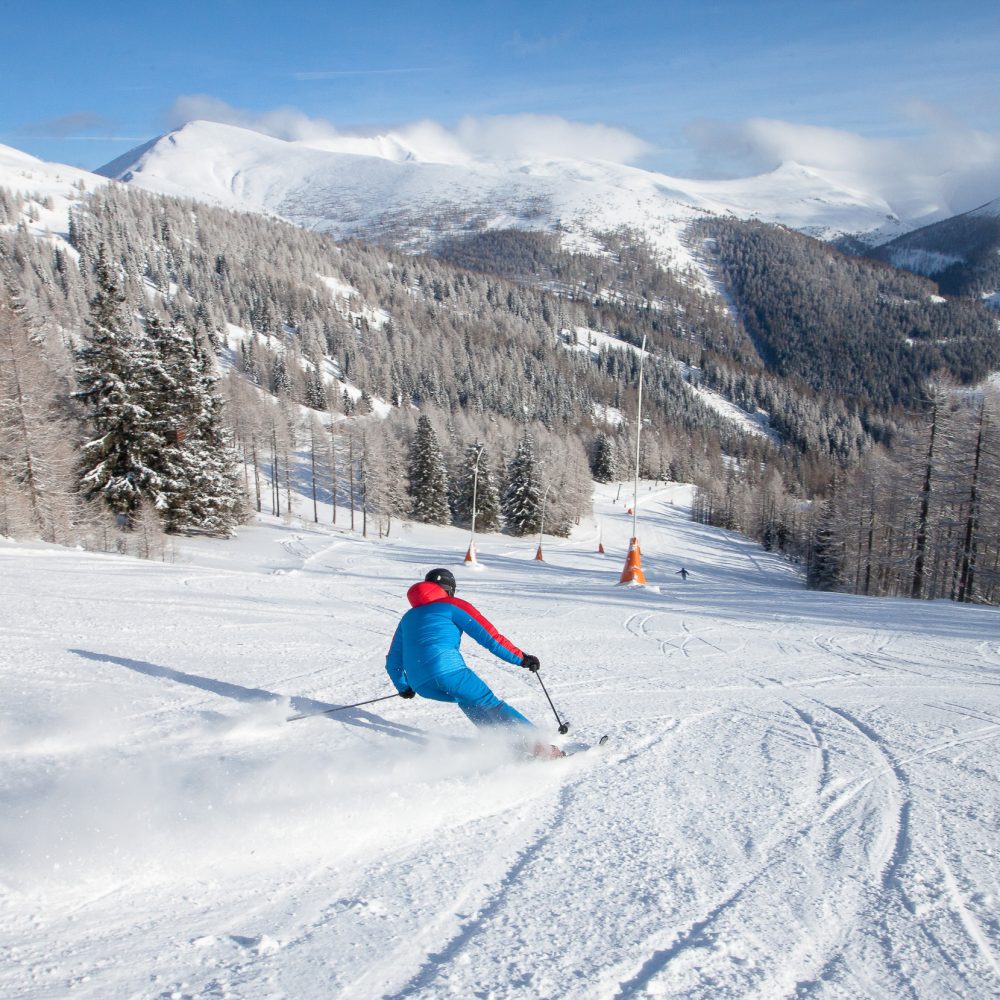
(504, 343)
(844, 325)
(891, 481)
(961, 254)
(310, 330)
(920, 514)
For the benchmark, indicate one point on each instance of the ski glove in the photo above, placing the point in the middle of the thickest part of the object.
(530, 662)
(408, 693)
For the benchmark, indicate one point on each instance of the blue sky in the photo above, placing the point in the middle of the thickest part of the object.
(86, 82)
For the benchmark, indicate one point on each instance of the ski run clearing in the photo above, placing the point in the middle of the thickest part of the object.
(798, 798)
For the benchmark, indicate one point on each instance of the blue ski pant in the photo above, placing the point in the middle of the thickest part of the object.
(465, 689)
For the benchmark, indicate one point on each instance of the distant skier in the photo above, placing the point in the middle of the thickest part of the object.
(683, 573)
(424, 657)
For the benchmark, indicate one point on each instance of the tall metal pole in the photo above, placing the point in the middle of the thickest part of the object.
(541, 529)
(638, 432)
(633, 574)
(470, 556)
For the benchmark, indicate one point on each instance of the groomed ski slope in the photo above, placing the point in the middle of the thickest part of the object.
(799, 799)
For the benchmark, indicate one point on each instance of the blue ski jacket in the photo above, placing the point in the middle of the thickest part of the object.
(427, 638)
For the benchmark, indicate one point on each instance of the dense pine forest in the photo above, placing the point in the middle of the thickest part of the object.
(846, 327)
(168, 366)
(919, 514)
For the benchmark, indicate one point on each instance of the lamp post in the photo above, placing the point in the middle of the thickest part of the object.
(638, 433)
(633, 574)
(470, 556)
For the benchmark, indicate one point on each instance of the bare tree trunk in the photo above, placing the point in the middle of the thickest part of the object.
(334, 485)
(288, 482)
(256, 470)
(246, 470)
(350, 461)
(275, 485)
(967, 573)
(312, 463)
(920, 550)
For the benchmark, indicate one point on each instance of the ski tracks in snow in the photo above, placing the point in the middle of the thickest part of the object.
(440, 946)
(800, 798)
(496, 928)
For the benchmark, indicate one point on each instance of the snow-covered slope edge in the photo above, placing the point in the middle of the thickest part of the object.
(52, 188)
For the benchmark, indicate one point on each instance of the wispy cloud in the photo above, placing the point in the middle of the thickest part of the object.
(64, 126)
(941, 164)
(336, 74)
(518, 137)
(536, 45)
(538, 136)
(81, 126)
(282, 123)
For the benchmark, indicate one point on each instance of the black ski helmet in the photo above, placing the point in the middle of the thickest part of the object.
(444, 578)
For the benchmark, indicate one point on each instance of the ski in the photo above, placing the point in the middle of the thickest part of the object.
(574, 748)
(549, 751)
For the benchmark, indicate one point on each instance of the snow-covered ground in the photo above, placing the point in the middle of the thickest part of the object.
(799, 797)
(51, 187)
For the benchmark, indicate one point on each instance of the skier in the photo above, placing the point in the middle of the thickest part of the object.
(424, 657)
(683, 573)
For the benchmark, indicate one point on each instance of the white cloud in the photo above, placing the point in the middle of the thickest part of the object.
(282, 123)
(540, 136)
(946, 166)
(516, 137)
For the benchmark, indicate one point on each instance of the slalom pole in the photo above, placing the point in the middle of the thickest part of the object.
(340, 708)
(563, 726)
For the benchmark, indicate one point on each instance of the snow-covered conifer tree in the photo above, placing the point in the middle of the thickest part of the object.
(604, 460)
(522, 497)
(198, 465)
(428, 476)
(119, 464)
(823, 568)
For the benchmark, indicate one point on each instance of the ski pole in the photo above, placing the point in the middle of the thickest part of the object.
(563, 726)
(340, 708)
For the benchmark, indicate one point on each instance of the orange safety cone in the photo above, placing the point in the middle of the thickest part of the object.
(633, 574)
(538, 554)
(600, 548)
(470, 556)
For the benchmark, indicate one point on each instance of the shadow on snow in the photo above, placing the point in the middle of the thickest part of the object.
(237, 692)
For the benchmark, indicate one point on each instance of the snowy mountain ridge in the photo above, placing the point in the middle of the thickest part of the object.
(411, 191)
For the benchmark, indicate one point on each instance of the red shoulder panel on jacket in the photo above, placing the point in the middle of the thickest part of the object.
(485, 622)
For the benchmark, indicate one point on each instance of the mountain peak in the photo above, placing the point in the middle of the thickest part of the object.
(414, 186)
